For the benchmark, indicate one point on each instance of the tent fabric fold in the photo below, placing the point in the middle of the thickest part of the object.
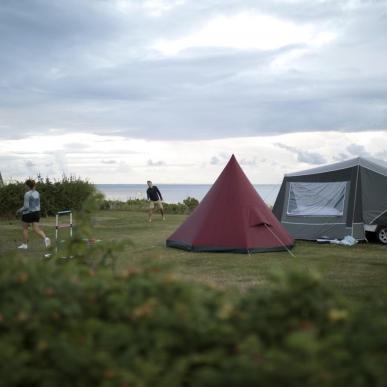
(256, 218)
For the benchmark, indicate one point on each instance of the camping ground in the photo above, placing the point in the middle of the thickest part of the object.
(357, 272)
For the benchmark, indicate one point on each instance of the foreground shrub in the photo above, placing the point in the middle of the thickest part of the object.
(67, 193)
(64, 324)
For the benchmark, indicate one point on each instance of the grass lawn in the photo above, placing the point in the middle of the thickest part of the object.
(358, 272)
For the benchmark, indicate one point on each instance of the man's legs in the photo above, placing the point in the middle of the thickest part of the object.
(161, 209)
(151, 207)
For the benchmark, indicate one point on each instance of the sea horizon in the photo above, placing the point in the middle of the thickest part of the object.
(174, 193)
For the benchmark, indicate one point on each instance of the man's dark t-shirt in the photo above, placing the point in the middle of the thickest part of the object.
(154, 194)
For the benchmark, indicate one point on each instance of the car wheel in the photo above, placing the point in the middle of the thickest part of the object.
(382, 235)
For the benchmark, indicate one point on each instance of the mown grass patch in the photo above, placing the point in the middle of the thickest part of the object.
(359, 271)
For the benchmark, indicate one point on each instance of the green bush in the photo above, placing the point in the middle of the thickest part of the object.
(66, 324)
(67, 193)
(130, 205)
(176, 208)
(83, 322)
(191, 203)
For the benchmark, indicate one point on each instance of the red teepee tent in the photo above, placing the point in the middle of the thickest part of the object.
(232, 217)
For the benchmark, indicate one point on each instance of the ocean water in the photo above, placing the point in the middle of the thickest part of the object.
(174, 193)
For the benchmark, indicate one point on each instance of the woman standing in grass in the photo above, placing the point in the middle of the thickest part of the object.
(31, 214)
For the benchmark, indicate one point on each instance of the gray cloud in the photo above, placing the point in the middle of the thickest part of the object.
(75, 146)
(304, 156)
(151, 163)
(341, 156)
(220, 159)
(15, 166)
(249, 162)
(381, 155)
(214, 160)
(88, 67)
(358, 150)
(29, 164)
(355, 150)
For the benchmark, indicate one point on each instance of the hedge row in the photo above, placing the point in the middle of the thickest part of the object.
(65, 324)
(188, 205)
(69, 192)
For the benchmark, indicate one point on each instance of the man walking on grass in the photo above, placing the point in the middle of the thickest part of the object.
(155, 199)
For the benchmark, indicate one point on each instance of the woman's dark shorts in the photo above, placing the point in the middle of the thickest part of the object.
(32, 217)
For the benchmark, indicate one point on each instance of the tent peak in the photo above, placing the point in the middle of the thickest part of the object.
(232, 162)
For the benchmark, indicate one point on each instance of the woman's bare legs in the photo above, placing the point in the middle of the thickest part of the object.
(38, 230)
(25, 232)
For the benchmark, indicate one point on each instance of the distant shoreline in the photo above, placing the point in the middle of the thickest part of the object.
(174, 193)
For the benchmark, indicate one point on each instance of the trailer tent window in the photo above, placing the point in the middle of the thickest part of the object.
(317, 199)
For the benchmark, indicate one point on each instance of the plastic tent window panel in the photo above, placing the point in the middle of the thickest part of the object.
(317, 199)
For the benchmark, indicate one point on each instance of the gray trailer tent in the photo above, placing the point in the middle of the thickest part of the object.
(332, 201)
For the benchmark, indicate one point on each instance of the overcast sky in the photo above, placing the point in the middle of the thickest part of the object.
(125, 91)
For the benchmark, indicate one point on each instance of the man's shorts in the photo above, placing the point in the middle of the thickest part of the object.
(31, 217)
(156, 203)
